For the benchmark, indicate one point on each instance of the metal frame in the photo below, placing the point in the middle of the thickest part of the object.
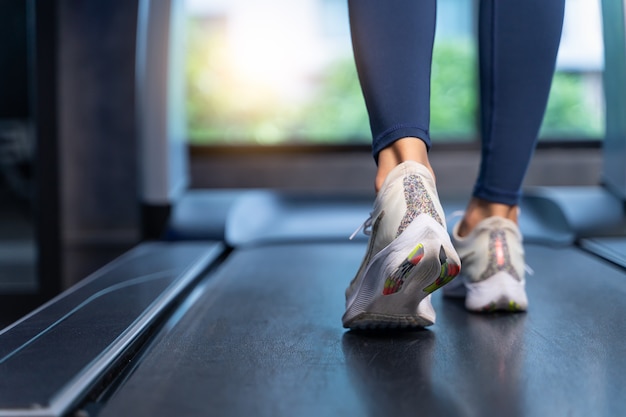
(160, 98)
(614, 32)
(160, 110)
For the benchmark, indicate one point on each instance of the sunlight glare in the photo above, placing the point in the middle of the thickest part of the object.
(273, 46)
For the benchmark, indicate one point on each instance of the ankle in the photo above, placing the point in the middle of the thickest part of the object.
(479, 210)
(402, 150)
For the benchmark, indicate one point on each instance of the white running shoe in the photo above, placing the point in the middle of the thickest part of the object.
(409, 255)
(492, 256)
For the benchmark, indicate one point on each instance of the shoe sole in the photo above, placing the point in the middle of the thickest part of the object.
(500, 292)
(400, 277)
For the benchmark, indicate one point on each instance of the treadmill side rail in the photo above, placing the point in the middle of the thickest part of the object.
(55, 355)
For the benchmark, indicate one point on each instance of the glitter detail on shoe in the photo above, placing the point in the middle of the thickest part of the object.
(418, 201)
(449, 270)
(394, 282)
(499, 257)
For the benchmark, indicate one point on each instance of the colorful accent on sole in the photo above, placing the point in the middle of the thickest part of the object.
(449, 270)
(394, 282)
(511, 306)
(489, 308)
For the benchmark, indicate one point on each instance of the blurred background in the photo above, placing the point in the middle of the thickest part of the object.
(282, 72)
(269, 99)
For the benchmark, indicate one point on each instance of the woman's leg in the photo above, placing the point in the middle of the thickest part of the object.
(410, 253)
(393, 43)
(518, 46)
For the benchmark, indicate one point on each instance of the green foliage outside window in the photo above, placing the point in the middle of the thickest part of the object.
(571, 113)
(221, 112)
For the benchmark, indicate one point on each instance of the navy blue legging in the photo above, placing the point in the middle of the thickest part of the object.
(518, 43)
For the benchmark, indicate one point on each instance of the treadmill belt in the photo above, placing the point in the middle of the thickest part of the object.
(610, 248)
(262, 336)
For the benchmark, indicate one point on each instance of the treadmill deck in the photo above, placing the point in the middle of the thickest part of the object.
(263, 337)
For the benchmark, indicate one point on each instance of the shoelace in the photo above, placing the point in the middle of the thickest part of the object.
(366, 226)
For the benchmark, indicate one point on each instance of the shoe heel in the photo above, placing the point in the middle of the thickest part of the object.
(397, 303)
(500, 292)
(449, 270)
(401, 276)
(395, 281)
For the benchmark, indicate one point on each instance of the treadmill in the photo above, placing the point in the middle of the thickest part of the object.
(238, 313)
